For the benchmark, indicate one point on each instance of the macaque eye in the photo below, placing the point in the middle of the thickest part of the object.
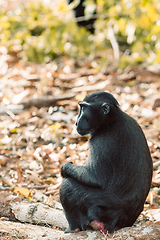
(83, 105)
(83, 108)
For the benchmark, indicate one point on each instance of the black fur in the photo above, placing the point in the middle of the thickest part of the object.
(79, 11)
(112, 186)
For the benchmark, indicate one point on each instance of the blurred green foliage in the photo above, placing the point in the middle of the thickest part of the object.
(136, 25)
(39, 33)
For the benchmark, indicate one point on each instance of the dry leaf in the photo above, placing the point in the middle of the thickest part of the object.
(23, 191)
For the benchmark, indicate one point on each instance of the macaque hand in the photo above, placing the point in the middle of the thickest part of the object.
(65, 169)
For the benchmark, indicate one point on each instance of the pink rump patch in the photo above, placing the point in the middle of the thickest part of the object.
(96, 225)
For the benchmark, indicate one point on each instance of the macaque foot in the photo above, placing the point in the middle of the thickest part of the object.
(69, 230)
(96, 225)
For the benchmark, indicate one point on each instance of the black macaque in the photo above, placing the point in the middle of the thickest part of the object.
(110, 190)
(79, 11)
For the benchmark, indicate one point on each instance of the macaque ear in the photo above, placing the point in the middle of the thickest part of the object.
(105, 108)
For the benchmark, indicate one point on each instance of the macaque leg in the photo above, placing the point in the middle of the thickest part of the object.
(73, 223)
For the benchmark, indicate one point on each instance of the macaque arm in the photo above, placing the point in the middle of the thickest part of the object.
(80, 174)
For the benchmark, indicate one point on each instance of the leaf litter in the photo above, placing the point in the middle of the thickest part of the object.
(36, 142)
